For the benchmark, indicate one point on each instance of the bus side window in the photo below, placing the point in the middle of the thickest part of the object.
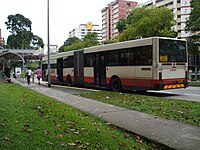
(127, 57)
(68, 62)
(143, 56)
(88, 60)
(112, 58)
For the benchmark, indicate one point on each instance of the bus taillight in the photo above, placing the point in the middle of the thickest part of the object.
(174, 86)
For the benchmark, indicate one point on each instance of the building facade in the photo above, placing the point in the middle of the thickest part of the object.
(83, 29)
(2, 41)
(181, 10)
(53, 49)
(111, 14)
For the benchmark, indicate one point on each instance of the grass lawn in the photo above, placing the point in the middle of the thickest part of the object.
(193, 83)
(29, 120)
(183, 111)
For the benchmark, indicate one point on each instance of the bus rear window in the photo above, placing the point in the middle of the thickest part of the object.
(172, 51)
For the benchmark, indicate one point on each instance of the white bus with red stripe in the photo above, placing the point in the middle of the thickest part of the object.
(155, 63)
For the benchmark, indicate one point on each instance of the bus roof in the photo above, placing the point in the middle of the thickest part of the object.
(113, 46)
(59, 55)
(126, 44)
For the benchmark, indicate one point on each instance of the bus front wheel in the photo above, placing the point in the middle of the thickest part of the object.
(69, 81)
(115, 85)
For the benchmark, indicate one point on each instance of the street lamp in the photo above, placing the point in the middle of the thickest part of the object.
(49, 69)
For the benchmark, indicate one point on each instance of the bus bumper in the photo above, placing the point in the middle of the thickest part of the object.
(172, 86)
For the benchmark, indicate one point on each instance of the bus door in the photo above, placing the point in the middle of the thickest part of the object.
(44, 71)
(100, 69)
(78, 68)
(60, 69)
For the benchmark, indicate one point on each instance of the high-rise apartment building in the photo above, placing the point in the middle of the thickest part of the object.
(2, 41)
(111, 14)
(84, 29)
(181, 10)
(53, 49)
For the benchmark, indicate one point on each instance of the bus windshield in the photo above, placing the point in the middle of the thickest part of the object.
(172, 50)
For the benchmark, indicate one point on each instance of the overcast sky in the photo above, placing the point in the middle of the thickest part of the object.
(65, 15)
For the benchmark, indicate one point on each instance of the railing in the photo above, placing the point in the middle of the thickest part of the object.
(25, 51)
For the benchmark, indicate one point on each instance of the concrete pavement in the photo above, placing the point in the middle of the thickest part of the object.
(171, 133)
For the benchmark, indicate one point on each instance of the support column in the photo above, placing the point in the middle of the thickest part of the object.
(7, 70)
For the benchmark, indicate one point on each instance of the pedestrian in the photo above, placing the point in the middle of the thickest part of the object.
(39, 74)
(28, 75)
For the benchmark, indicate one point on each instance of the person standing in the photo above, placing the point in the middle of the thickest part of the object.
(28, 75)
(39, 74)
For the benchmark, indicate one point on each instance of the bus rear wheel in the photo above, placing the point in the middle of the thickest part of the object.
(115, 85)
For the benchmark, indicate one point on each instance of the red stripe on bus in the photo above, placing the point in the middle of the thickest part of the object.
(89, 79)
(174, 80)
(64, 78)
(53, 78)
(146, 82)
(135, 82)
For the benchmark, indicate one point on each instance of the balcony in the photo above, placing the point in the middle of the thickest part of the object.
(179, 27)
(178, 20)
(178, 5)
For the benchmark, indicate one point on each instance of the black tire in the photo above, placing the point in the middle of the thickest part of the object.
(141, 91)
(69, 81)
(115, 85)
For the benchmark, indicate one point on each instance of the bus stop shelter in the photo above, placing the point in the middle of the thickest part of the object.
(7, 60)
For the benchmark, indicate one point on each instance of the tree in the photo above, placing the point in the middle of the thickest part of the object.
(18, 23)
(109, 41)
(90, 39)
(21, 34)
(61, 49)
(145, 22)
(74, 46)
(193, 25)
(68, 42)
(75, 43)
(71, 40)
(193, 46)
(37, 42)
(121, 25)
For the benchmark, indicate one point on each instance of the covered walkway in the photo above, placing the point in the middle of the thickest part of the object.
(7, 60)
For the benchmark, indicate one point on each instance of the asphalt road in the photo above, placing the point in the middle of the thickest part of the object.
(191, 93)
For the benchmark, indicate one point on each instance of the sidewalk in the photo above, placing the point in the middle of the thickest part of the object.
(171, 133)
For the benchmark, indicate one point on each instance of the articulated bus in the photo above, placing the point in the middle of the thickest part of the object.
(155, 63)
